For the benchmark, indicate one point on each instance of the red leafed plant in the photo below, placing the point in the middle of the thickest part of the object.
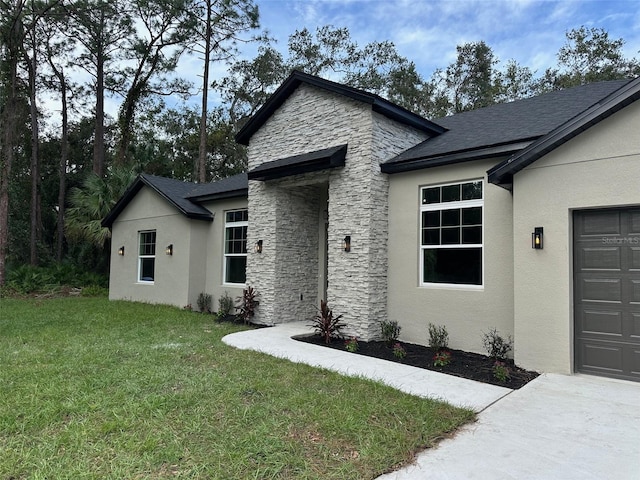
(325, 324)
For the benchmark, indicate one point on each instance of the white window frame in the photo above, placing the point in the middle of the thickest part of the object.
(225, 255)
(447, 206)
(143, 256)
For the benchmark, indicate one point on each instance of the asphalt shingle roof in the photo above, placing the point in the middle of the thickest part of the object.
(508, 123)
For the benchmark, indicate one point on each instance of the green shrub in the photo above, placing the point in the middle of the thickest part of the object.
(351, 345)
(438, 337)
(25, 279)
(496, 346)
(399, 352)
(442, 358)
(390, 331)
(225, 305)
(204, 302)
(501, 371)
(94, 291)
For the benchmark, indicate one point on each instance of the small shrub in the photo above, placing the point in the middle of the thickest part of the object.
(442, 358)
(398, 351)
(501, 371)
(438, 337)
(204, 302)
(390, 331)
(497, 347)
(351, 345)
(247, 304)
(325, 324)
(225, 305)
(94, 291)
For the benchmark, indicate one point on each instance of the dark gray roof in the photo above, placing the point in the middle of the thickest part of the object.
(305, 163)
(185, 196)
(501, 129)
(378, 104)
(502, 174)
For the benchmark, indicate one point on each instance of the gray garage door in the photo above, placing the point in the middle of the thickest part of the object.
(607, 292)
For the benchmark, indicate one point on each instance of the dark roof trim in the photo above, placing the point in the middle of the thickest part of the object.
(503, 173)
(307, 162)
(379, 105)
(131, 192)
(456, 157)
(240, 192)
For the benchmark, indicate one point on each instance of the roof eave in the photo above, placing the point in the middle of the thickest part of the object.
(240, 192)
(294, 80)
(503, 173)
(454, 157)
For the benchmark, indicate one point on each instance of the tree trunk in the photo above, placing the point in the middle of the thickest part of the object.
(62, 167)
(35, 230)
(98, 141)
(202, 150)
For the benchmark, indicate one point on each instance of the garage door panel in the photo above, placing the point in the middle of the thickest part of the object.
(634, 260)
(635, 327)
(602, 290)
(634, 221)
(603, 357)
(600, 223)
(634, 361)
(603, 258)
(601, 322)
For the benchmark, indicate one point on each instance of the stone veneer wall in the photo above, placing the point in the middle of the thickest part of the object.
(312, 119)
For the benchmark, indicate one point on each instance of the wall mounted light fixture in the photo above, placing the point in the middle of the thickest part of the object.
(537, 238)
(169, 249)
(258, 247)
(121, 251)
(346, 243)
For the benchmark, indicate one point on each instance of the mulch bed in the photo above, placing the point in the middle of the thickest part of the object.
(463, 364)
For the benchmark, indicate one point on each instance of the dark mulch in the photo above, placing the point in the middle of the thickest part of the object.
(463, 364)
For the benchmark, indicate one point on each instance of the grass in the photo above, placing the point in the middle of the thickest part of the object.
(114, 390)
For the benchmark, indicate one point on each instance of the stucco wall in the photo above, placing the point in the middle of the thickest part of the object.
(312, 119)
(599, 168)
(148, 211)
(467, 313)
(212, 252)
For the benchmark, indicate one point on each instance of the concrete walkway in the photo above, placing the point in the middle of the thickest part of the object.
(558, 427)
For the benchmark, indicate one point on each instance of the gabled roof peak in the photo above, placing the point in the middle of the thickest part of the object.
(378, 104)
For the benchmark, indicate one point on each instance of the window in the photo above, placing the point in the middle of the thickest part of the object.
(235, 246)
(451, 234)
(147, 256)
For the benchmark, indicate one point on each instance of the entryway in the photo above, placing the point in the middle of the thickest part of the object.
(607, 292)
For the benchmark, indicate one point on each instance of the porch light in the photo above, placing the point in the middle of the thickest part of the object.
(121, 251)
(536, 238)
(346, 243)
(258, 247)
(169, 249)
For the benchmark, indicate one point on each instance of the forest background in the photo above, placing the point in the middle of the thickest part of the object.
(65, 158)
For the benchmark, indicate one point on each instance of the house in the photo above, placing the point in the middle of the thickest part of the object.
(522, 216)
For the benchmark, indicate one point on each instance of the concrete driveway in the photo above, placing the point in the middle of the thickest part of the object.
(556, 427)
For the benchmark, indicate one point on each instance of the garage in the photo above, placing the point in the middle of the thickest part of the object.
(607, 292)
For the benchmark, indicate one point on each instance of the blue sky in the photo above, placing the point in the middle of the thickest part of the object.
(427, 31)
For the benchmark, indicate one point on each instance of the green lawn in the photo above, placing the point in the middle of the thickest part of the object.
(97, 389)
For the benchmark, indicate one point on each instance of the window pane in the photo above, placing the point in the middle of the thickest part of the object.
(451, 193)
(472, 216)
(431, 219)
(451, 217)
(453, 265)
(431, 236)
(147, 243)
(431, 195)
(236, 269)
(451, 236)
(236, 240)
(147, 269)
(472, 235)
(472, 191)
